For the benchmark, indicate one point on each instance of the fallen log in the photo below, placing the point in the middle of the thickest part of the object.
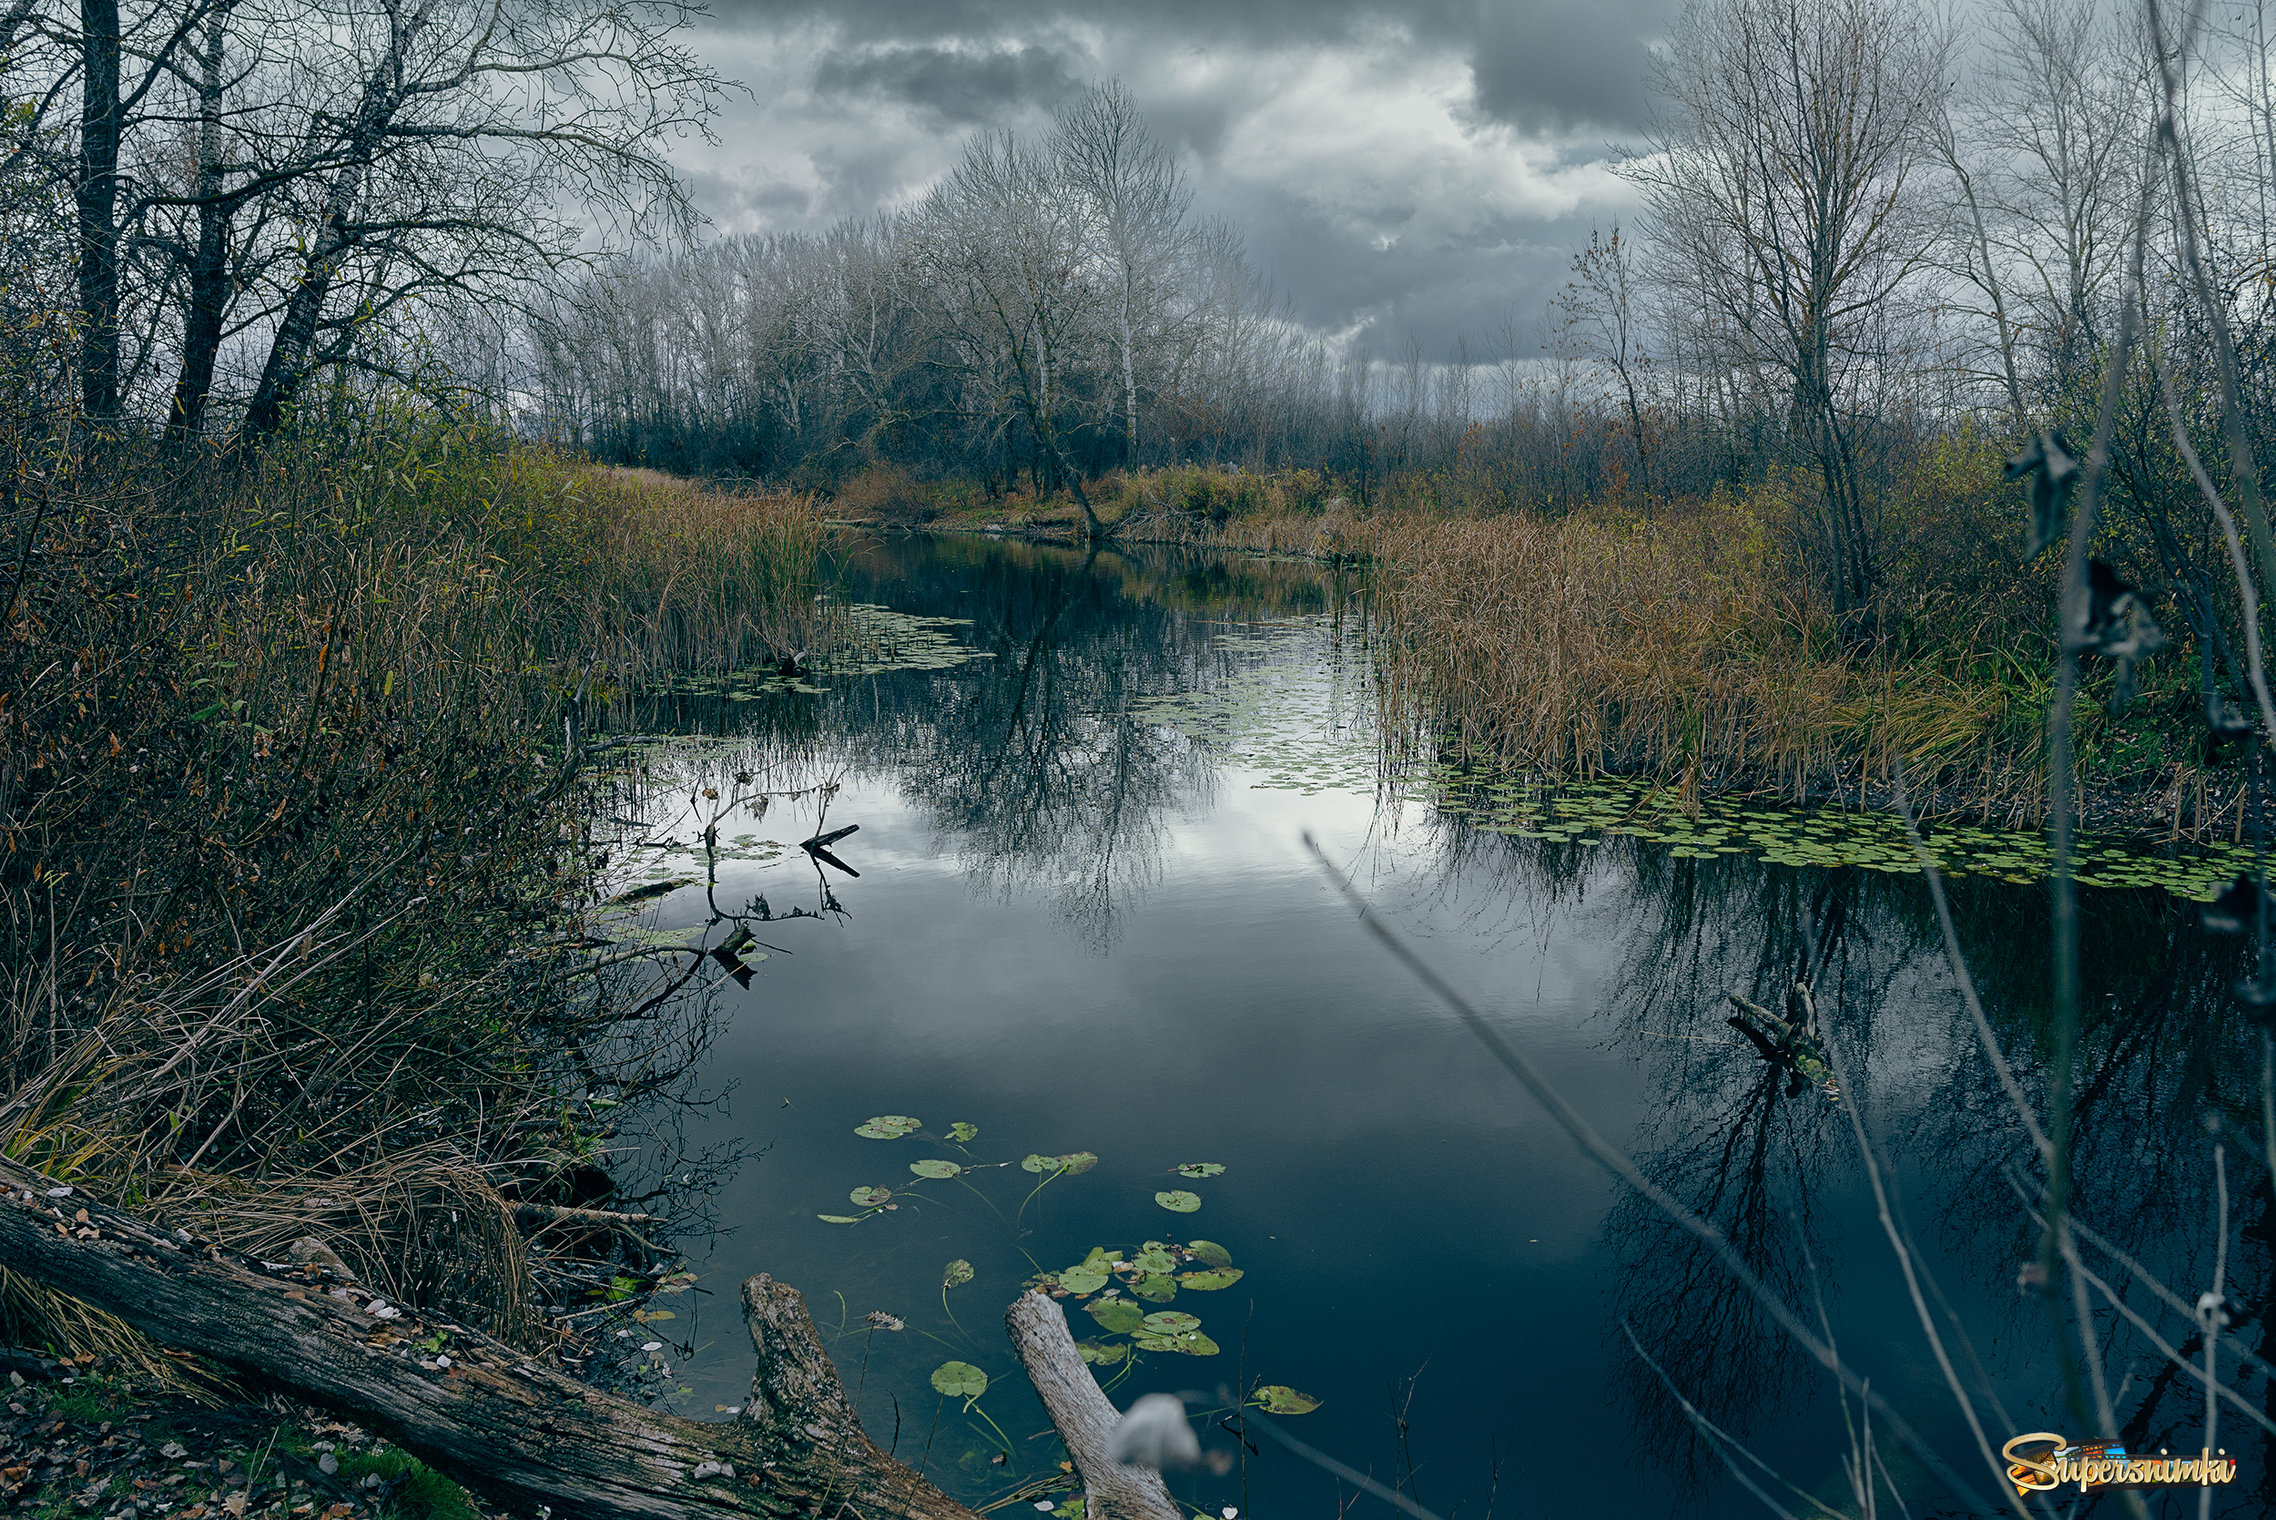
(558, 1213)
(1082, 1415)
(496, 1419)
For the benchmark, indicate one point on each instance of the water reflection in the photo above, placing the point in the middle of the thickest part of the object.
(1087, 927)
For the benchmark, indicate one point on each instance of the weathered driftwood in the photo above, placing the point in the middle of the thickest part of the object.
(555, 1213)
(1084, 1418)
(497, 1420)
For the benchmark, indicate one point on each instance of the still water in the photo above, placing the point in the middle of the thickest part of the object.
(1086, 920)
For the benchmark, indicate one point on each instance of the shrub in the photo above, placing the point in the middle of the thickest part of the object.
(886, 493)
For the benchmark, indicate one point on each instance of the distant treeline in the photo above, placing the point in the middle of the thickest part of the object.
(1841, 260)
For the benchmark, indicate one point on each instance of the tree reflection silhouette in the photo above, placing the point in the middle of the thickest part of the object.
(2166, 1054)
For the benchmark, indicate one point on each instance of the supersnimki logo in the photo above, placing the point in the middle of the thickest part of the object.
(2043, 1460)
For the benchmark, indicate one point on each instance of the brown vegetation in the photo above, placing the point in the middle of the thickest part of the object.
(294, 871)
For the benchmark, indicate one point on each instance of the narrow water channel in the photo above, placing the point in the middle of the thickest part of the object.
(1086, 920)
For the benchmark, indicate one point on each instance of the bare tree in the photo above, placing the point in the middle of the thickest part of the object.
(2055, 121)
(1134, 204)
(1787, 185)
(1602, 308)
(1002, 251)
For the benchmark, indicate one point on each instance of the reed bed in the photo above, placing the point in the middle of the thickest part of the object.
(1686, 648)
(294, 846)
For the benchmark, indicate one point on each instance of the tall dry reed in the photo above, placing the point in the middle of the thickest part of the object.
(1686, 648)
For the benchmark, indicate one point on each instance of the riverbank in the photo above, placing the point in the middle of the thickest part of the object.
(1685, 643)
(87, 1439)
(301, 907)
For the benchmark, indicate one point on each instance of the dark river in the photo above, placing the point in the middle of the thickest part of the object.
(1086, 921)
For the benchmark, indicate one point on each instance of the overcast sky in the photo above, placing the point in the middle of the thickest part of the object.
(1417, 170)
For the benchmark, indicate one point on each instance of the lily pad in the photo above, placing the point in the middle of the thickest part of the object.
(1158, 1289)
(1201, 1169)
(1170, 1322)
(1102, 1353)
(839, 1218)
(1178, 1201)
(1116, 1316)
(1155, 1258)
(1074, 1164)
(1082, 1281)
(956, 1274)
(870, 1197)
(1279, 1398)
(1211, 1252)
(959, 1380)
(937, 1169)
(888, 1127)
(1186, 1343)
(1209, 1282)
(961, 1132)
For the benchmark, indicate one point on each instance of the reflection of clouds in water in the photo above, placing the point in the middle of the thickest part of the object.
(1058, 728)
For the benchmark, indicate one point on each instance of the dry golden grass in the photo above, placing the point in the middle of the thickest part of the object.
(1686, 649)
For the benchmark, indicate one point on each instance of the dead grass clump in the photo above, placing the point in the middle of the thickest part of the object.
(419, 1227)
(888, 494)
(36, 1316)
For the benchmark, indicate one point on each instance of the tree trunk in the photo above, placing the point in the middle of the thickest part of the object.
(287, 365)
(95, 197)
(495, 1418)
(1129, 381)
(296, 333)
(1082, 1415)
(209, 263)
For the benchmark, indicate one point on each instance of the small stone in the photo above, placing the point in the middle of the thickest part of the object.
(327, 1464)
(173, 1450)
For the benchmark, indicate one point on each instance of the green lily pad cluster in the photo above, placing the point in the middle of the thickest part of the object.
(1153, 1273)
(880, 639)
(874, 640)
(1127, 1291)
(740, 847)
(1587, 813)
(1292, 710)
(1181, 1201)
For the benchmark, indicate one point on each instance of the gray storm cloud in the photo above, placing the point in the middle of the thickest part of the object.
(1413, 175)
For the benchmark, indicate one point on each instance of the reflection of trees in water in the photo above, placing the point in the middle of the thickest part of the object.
(1734, 1138)
(1027, 759)
(2163, 1048)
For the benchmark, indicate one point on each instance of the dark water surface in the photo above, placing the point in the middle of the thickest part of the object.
(1086, 920)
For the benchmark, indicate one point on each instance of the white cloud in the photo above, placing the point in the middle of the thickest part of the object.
(1362, 167)
(1383, 139)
